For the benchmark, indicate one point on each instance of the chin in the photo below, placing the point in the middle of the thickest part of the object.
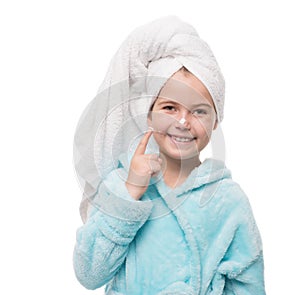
(181, 156)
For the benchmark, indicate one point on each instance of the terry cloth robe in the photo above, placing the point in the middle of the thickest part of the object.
(200, 238)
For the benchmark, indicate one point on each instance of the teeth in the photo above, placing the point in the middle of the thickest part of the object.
(182, 139)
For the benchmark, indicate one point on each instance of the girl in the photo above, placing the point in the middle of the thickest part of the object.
(157, 220)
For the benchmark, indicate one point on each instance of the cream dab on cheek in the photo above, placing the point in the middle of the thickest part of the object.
(155, 131)
(160, 123)
(159, 132)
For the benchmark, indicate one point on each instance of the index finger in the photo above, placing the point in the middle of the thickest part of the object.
(141, 148)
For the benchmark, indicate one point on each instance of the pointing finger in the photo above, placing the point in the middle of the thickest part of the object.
(141, 148)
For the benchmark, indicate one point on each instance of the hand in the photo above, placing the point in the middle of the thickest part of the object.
(142, 167)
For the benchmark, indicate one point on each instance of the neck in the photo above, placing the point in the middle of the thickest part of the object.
(175, 171)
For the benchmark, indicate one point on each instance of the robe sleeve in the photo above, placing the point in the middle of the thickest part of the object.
(102, 243)
(243, 265)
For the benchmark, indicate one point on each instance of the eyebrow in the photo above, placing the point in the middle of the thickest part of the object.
(164, 101)
(202, 104)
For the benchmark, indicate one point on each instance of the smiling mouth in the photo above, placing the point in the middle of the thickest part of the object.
(181, 139)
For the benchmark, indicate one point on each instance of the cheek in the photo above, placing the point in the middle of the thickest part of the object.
(161, 122)
(204, 126)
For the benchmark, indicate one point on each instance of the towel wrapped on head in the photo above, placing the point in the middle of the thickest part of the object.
(148, 57)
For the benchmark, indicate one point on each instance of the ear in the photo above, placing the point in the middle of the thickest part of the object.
(149, 120)
(216, 125)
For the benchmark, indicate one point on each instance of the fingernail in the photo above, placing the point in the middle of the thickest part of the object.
(150, 128)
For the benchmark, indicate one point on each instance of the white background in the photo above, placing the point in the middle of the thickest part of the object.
(54, 55)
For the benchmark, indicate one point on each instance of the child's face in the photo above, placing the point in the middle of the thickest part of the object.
(183, 117)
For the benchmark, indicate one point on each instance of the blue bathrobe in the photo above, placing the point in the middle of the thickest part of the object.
(199, 238)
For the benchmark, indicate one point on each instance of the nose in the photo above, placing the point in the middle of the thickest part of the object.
(183, 123)
(182, 120)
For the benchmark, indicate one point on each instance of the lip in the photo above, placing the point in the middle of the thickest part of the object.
(179, 139)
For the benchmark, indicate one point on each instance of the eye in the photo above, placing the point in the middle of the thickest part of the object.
(199, 112)
(169, 108)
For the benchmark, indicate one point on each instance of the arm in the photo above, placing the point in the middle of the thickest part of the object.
(243, 265)
(102, 242)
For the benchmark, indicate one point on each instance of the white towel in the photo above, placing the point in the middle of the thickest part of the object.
(150, 55)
